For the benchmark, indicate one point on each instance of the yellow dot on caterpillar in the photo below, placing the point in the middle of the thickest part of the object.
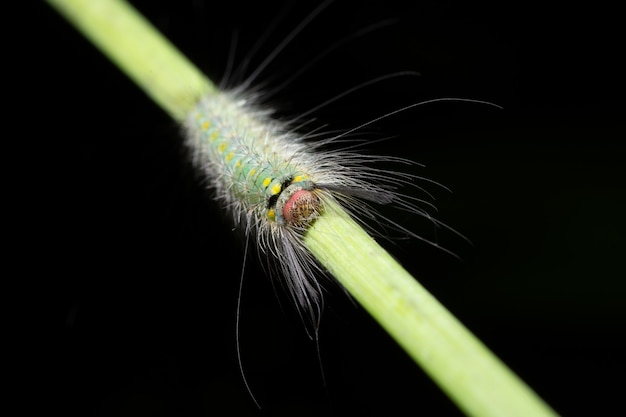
(267, 182)
(229, 156)
(252, 172)
(222, 147)
(276, 189)
(297, 178)
(271, 213)
(238, 164)
(205, 126)
(213, 136)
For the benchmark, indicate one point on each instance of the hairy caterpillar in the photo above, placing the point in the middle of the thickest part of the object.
(274, 182)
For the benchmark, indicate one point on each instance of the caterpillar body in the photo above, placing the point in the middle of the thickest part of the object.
(275, 183)
(260, 172)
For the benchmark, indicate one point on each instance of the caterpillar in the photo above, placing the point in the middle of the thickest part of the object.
(275, 184)
(275, 180)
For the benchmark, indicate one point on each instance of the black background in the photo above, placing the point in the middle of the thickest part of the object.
(135, 270)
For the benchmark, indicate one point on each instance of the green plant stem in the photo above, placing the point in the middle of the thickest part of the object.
(140, 51)
(462, 366)
(477, 381)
